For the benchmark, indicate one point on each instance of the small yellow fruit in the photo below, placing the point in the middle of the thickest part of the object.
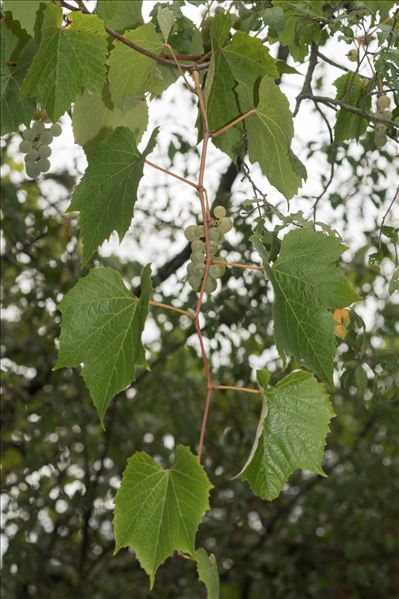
(353, 55)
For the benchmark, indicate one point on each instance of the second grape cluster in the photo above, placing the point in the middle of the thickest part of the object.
(36, 147)
(218, 227)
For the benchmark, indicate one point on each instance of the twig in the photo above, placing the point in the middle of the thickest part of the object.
(188, 85)
(238, 265)
(307, 84)
(331, 62)
(232, 124)
(367, 115)
(231, 388)
(172, 309)
(164, 170)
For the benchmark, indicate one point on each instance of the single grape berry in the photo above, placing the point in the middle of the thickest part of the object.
(56, 130)
(32, 156)
(29, 134)
(210, 285)
(214, 247)
(43, 164)
(25, 146)
(215, 235)
(46, 137)
(199, 268)
(198, 246)
(199, 231)
(353, 55)
(387, 114)
(38, 127)
(32, 170)
(219, 212)
(380, 139)
(44, 151)
(190, 268)
(225, 224)
(216, 271)
(198, 257)
(195, 281)
(190, 233)
(383, 102)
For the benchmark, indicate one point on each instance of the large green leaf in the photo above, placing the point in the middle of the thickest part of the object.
(244, 60)
(353, 90)
(132, 74)
(270, 131)
(101, 328)
(107, 193)
(13, 111)
(291, 434)
(68, 59)
(120, 15)
(158, 511)
(24, 11)
(307, 286)
(95, 118)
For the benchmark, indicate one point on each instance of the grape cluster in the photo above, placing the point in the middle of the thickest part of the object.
(380, 136)
(36, 147)
(218, 227)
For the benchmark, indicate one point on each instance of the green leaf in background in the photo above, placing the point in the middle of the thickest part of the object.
(208, 572)
(270, 131)
(24, 11)
(101, 327)
(166, 20)
(303, 325)
(120, 15)
(13, 111)
(291, 433)
(106, 195)
(301, 28)
(68, 59)
(394, 282)
(95, 118)
(351, 89)
(158, 511)
(244, 60)
(273, 17)
(131, 74)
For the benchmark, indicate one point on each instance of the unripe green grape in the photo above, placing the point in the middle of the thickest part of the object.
(32, 170)
(44, 151)
(198, 257)
(380, 139)
(32, 156)
(225, 224)
(29, 134)
(198, 246)
(215, 234)
(190, 233)
(387, 114)
(25, 146)
(380, 127)
(46, 137)
(383, 102)
(219, 212)
(56, 129)
(353, 55)
(210, 285)
(216, 271)
(214, 247)
(190, 268)
(43, 164)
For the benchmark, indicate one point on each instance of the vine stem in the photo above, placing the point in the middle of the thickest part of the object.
(238, 265)
(172, 309)
(232, 388)
(164, 170)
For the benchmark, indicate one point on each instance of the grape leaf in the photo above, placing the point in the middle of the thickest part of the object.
(13, 111)
(68, 59)
(132, 74)
(306, 286)
(101, 327)
(158, 511)
(246, 60)
(291, 433)
(208, 572)
(24, 11)
(270, 131)
(107, 193)
(95, 118)
(166, 20)
(120, 15)
(351, 89)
